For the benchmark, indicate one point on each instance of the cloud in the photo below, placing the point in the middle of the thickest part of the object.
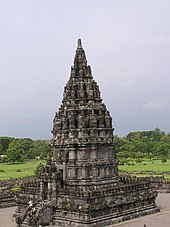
(150, 40)
(127, 78)
(154, 105)
(126, 83)
(5, 105)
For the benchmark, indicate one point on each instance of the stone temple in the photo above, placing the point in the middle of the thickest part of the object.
(80, 185)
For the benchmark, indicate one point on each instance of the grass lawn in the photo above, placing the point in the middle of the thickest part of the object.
(147, 166)
(18, 170)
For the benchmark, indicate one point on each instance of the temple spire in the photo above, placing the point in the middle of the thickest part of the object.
(80, 57)
(79, 45)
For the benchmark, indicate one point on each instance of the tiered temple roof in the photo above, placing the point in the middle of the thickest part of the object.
(82, 117)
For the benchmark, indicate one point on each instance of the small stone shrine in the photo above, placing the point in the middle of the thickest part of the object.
(80, 185)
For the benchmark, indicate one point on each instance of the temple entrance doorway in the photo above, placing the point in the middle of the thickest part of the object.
(61, 180)
(45, 194)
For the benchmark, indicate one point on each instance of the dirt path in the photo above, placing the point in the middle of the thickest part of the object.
(161, 219)
(6, 217)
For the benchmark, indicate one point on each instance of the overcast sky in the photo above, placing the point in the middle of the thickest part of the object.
(127, 44)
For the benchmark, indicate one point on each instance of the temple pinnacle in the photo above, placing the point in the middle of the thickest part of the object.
(79, 44)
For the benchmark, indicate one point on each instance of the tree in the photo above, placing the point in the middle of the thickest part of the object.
(20, 146)
(163, 149)
(158, 134)
(166, 138)
(40, 148)
(15, 151)
(123, 154)
(14, 155)
(1, 149)
(26, 144)
(148, 143)
(4, 142)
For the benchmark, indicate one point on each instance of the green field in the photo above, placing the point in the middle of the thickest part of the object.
(147, 167)
(18, 170)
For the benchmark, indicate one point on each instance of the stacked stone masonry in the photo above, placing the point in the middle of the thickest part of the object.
(80, 183)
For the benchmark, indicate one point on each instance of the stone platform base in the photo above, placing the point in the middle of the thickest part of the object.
(106, 221)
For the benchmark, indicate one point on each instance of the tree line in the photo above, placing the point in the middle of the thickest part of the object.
(22, 149)
(145, 144)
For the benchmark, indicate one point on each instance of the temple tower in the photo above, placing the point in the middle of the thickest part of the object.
(80, 183)
(88, 191)
(83, 146)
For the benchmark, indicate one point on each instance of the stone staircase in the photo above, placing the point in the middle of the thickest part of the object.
(41, 216)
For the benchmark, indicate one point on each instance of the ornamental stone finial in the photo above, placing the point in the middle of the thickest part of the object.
(79, 44)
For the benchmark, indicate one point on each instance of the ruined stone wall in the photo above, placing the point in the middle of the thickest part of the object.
(159, 183)
(8, 193)
(12, 190)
